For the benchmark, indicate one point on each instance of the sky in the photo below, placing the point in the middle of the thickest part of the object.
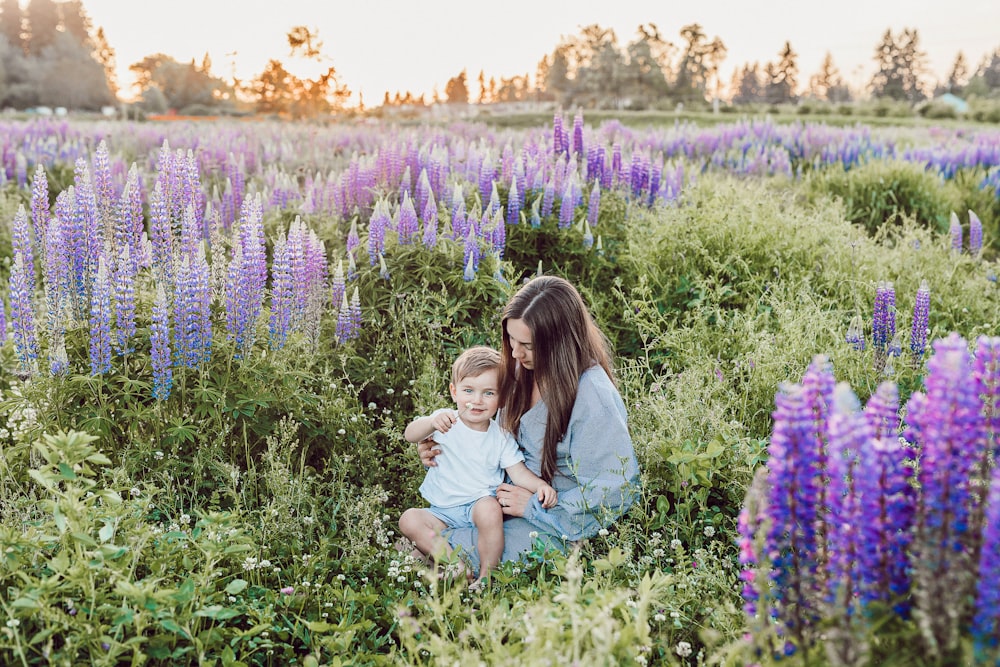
(418, 45)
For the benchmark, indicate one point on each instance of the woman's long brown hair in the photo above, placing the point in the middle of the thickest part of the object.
(565, 342)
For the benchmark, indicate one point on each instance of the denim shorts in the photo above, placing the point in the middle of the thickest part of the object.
(457, 516)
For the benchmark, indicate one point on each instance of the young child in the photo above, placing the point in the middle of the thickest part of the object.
(475, 452)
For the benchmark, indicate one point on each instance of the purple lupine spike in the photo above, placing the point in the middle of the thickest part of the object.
(246, 278)
(161, 236)
(566, 208)
(588, 235)
(548, 198)
(920, 328)
(594, 204)
(159, 342)
(407, 224)
(486, 175)
(975, 234)
(58, 359)
(39, 206)
(578, 132)
(986, 621)
(281, 294)
(383, 268)
(352, 268)
(3, 321)
(430, 222)
(380, 221)
(883, 321)
(945, 424)
(986, 372)
(355, 314)
(514, 203)
(616, 162)
(424, 189)
(353, 239)
(22, 314)
(339, 285)
(344, 320)
(536, 218)
(123, 293)
(100, 321)
(557, 134)
(886, 522)
(855, 336)
(849, 433)
(498, 234)
(21, 241)
(130, 218)
(471, 252)
(103, 189)
(882, 411)
(794, 474)
(955, 232)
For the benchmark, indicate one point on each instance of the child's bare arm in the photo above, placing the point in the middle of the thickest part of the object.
(421, 428)
(521, 476)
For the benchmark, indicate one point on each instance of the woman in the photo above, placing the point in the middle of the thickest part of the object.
(559, 399)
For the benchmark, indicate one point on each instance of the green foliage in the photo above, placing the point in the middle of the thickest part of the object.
(888, 192)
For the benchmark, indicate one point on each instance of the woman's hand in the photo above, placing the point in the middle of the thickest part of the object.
(513, 499)
(427, 450)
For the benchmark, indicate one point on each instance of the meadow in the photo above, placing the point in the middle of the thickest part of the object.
(216, 332)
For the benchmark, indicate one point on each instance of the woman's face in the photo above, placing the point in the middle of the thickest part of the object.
(521, 347)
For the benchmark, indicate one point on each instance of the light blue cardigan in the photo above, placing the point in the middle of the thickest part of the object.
(597, 475)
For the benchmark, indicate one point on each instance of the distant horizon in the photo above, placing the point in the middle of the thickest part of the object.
(394, 46)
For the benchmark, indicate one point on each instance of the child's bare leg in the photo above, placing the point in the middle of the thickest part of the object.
(424, 530)
(488, 517)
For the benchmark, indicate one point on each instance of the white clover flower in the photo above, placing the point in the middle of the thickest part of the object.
(341, 431)
(372, 406)
(603, 532)
(341, 577)
(135, 492)
(158, 455)
(709, 531)
(675, 614)
(683, 649)
(390, 391)
(659, 618)
(13, 623)
(533, 534)
(185, 519)
(676, 543)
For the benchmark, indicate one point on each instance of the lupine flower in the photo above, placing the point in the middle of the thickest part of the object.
(123, 293)
(514, 203)
(593, 205)
(58, 360)
(22, 243)
(885, 521)
(39, 205)
(246, 277)
(430, 222)
(578, 133)
(986, 621)
(945, 423)
(566, 208)
(159, 341)
(383, 268)
(161, 235)
(955, 231)
(281, 294)
(794, 474)
(407, 224)
(339, 286)
(100, 321)
(588, 235)
(380, 221)
(536, 219)
(471, 252)
(486, 175)
(557, 134)
(469, 274)
(548, 198)
(22, 314)
(920, 329)
(975, 234)
(883, 322)
(986, 373)
(849, 432)
(882, 411)
(353, 240)
(3, 322)
(855, 336)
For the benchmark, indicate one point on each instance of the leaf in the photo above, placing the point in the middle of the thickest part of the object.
(66, 471)
(236, 586)
(217, 612)
(99, 459)
(170, 625)
(84, 538)
(24, 603)
(106, 532)
(320, 626)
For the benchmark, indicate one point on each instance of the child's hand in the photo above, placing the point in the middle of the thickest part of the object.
(443, 421)
(547, 496)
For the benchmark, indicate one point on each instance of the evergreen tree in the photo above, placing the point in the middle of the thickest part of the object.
(646, 80)
(43, 23)
(456, 90)
(11, 20)
(959, 75)
(782, 77)
(747, 85)
(901, 66)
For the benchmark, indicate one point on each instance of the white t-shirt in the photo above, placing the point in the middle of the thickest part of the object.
(471, 464)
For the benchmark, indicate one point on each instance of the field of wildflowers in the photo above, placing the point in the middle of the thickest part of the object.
(215, 333)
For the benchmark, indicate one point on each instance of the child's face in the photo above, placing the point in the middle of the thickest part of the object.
(477, 398)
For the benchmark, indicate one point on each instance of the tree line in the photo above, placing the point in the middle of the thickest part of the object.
(52, 55)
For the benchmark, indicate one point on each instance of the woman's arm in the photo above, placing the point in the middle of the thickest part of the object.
(598, 456)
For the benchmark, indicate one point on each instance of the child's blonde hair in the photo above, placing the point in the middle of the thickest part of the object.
(474, 362)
